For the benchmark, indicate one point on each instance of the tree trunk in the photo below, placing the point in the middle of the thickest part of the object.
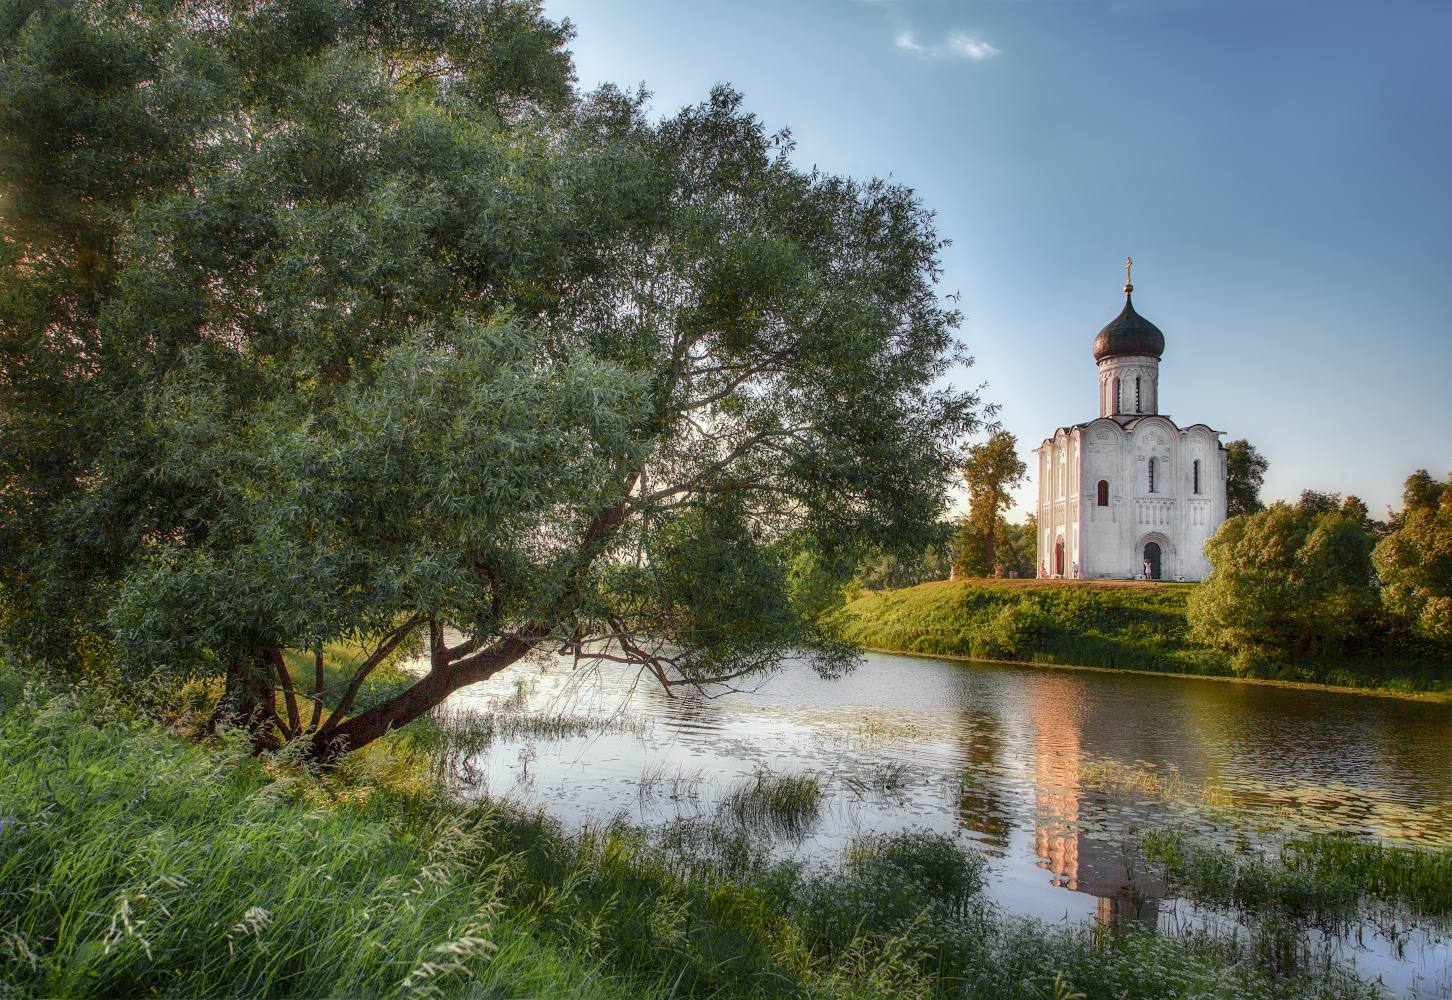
(441, 681)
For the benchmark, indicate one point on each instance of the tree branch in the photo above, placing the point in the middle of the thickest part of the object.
(386, 647)
(317, 689)
(294, 720)
(408, 705)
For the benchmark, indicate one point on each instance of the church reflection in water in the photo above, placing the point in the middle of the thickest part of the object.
(1072, 839)
(1102, 869)
(1102, 866)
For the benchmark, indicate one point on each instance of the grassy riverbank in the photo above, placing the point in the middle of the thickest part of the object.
(136, 861)
(1119, 625)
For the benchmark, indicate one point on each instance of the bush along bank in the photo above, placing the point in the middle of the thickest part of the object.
(1113, 625)
(137, 862)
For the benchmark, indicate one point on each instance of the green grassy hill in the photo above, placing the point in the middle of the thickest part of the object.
(1125, 625)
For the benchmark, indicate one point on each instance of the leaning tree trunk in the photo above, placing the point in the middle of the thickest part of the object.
(447, 673)
(449, 669)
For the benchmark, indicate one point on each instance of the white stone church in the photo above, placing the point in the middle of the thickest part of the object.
(1131, 494)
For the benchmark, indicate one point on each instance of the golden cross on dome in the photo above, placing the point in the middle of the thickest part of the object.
(1128, 263)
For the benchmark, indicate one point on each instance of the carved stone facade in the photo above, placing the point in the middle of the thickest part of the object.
(1129, 490)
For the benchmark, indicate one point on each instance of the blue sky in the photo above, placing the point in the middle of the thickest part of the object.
(1280, 170)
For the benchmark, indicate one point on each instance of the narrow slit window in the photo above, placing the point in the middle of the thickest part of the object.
(1103, 493)
(1195, 486)
(1136, 395)
(1116, 395)
(1151, 475)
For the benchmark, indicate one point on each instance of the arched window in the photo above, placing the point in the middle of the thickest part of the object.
(1136, 395)
(1116, 395)
(1195, 485)
(1103, 493)
(1151, 475)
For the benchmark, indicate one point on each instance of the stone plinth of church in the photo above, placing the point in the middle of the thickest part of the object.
(1131, 494)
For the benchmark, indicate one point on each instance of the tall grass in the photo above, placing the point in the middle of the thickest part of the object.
(137, 863)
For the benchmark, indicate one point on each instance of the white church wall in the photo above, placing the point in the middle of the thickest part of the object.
(1103, 527)
(1158, 513)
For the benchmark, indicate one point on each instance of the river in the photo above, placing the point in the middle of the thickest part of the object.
(1049, 772)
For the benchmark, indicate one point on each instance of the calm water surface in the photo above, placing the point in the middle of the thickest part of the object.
(1015, 761)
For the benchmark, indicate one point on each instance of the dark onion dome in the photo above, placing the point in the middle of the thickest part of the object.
(1129, 335)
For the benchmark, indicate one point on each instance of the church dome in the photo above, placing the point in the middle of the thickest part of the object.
(1130, 334)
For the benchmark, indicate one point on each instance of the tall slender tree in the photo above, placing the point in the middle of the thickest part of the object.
(991, 471)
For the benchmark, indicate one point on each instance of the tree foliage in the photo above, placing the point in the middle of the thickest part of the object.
(991, 470)
(334, 321)
(1287, 582)
(1015, 549)
(881, 569)
(1414, 561)
(1245, 474)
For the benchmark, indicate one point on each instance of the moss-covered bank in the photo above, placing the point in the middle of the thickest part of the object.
(1117, 625)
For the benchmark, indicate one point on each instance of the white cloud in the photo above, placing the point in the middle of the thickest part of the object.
(966, 45)
(959, 46)
(905, 42)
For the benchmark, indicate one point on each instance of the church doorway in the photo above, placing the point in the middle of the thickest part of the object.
(1059, 557)
(1152, 560)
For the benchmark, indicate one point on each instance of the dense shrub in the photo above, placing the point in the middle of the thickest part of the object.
(1414, 561)
(1287, 582)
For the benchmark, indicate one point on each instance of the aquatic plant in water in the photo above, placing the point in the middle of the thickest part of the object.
(453, 738)
(1325, 878)
(883, 776)
(787, 802)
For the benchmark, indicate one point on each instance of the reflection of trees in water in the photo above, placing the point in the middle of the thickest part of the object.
(980, 800)
(690, 711)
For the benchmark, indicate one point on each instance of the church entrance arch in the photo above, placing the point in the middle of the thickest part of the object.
(1152, 560)
(1059, 557)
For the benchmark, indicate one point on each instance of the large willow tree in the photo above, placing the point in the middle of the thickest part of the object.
(331, 321)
